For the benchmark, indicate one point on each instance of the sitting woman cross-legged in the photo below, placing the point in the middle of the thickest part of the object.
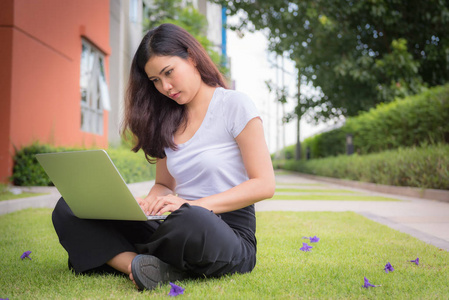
(212, 165)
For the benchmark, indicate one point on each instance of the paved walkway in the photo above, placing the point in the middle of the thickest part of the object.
(51, 196)
(426, 220)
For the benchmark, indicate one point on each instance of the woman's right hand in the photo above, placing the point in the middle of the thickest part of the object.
(144, 205)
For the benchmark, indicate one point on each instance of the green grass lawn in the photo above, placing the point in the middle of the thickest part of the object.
(282, 172)
(333, 197)
(11, 196)
(350, 248)
(292, 190)
(298, 184)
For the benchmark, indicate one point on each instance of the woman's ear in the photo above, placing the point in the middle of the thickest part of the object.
(190, 59)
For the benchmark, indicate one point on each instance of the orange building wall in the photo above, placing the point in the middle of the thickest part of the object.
(5, 105)
(44, 94)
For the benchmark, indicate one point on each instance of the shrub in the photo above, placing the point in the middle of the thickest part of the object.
(3, 188)
(423, 167)
(329, 143)
(133, 166)
(407, 122)
(422, 118)
(28, 172)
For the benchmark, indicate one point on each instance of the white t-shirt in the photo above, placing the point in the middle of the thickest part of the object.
(210, 162)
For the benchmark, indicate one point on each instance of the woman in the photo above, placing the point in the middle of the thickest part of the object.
(212, 165)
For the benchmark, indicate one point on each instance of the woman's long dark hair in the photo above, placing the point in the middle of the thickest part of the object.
(152, 117)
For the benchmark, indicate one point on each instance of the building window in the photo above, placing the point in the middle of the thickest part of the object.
(93, 88)
(134, 11)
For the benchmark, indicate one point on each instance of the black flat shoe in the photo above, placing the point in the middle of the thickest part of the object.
(149, 271)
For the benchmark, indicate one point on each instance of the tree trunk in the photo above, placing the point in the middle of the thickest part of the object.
(298, 118)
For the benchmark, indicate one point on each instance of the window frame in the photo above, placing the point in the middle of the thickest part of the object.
(94, 95)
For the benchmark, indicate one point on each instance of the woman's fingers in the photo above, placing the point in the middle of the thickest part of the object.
(165, 204)
(160, 203)
(143, 204)
(151, 205)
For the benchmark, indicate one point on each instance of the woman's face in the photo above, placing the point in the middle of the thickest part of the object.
(174, 77)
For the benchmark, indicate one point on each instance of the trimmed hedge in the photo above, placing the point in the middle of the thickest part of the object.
(423, 118)
(28, 172)
(132, 166)
(412, 121)
(423, 167)
(330, 143)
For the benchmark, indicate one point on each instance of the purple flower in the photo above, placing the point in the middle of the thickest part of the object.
(175, 290)
(26, 254)
(416, 261)
(314, 239)
(367, 284)
(305, 247)
(388, 268)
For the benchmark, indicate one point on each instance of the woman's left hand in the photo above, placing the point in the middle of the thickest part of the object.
(163, 204)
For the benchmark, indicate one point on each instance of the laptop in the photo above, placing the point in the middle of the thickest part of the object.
(92, 186)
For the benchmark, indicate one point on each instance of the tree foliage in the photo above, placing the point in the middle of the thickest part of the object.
(357, 53)
(183, 14)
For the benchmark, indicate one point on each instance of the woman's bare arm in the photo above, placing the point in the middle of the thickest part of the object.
(259, 186)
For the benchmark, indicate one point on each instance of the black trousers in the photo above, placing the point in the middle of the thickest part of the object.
(191, 239)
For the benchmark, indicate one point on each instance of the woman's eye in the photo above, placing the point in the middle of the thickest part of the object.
(168, 72)
(154, 80)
